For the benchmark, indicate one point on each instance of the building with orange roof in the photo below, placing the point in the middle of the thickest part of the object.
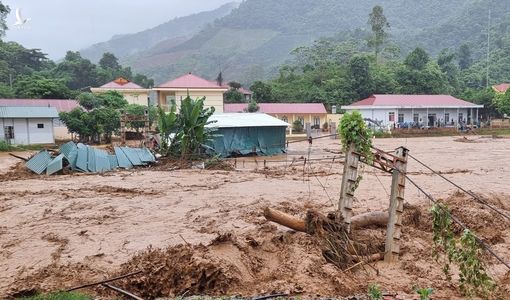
(174, 91)
(132, 92)
(501, 88)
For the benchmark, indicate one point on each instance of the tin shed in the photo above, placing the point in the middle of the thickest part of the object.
(247, 133)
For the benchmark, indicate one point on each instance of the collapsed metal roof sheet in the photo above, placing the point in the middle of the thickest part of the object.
(133, 156)
(55, 165)
(90, 159)
(122, 159)
(39, 162)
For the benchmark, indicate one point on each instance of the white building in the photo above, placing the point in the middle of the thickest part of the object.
(27, 125)
(417, 110)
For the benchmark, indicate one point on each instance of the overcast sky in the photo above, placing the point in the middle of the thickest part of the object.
(61, 25)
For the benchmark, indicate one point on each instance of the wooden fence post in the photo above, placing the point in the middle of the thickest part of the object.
(394, 229)
(349, 179)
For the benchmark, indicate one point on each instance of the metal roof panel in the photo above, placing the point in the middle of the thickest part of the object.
(28, 112)
(122, 159)
(229, 120)
(55, 165)
(39, 162)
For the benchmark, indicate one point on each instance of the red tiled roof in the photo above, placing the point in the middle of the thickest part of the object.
(190, 81)
(502, 88)
(280, 108)
(121, 83)
(60, 105)
(411, 100)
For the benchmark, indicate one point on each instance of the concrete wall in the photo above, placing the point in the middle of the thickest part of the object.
(422, 113)
(212, 98)
(136, 98)
(27, 131)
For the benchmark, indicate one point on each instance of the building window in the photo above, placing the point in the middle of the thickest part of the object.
(447, 118)
(40, 125)
(170, 101)
(391, 116)
(401, 118)
(285, 119)
(301, 120)
(317, 121)
(416, 117)
(461, 117)
(9, 132)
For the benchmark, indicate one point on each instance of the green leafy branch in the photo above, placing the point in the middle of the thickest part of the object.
(465, 252)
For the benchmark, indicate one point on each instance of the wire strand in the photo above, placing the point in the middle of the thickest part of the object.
(456, 220)
(462, 189)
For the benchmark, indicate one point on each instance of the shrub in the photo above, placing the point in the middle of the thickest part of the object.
(297, 126)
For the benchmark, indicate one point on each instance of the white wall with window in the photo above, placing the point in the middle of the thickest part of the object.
(27, 131)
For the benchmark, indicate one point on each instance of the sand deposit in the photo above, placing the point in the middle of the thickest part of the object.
(203, 231)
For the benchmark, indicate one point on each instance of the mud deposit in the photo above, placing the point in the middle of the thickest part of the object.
(194, 232)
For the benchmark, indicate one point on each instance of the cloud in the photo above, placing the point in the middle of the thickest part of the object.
(61, 25)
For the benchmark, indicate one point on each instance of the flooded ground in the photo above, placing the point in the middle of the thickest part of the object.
(59, 231)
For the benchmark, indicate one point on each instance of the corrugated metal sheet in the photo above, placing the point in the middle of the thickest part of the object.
(234, 120)
(82, 158)
(39, 162)
(145, 155)
(122, 159)
(28, 112)
(102, 161)
(70, 151)
(114, 163)
(55, 165)
(91, 159)
(132, 155)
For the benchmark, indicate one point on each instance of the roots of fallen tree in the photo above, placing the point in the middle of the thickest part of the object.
(339, 247)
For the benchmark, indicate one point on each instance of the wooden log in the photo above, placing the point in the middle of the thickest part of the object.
(376, 218)
(284, 219)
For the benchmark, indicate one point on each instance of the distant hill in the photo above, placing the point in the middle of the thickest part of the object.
(172, 32)
(252, 40)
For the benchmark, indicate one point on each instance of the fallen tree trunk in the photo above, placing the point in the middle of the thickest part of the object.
(285, 219)
(376, 218)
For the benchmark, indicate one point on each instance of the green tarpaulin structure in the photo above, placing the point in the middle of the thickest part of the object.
(247, 133)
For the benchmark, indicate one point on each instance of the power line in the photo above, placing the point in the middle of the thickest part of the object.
(482, 243)
(495, 209)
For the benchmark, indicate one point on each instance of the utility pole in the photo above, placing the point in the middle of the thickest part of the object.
(488, 45)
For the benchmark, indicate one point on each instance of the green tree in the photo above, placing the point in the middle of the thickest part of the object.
(262, 92)
(233, 96)
(89, 101)
(184, 135)
(359, 74)
(139, 110)
(502, 103)
(6, 91)
(234, 85)
(464, 57)
(252, 107)
(78, 72)
(378, 24)
(417, 59)
(109, 61)
(112, 99)
(4, 11)
(36, 86)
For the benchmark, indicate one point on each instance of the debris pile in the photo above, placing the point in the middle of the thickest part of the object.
(87, 159)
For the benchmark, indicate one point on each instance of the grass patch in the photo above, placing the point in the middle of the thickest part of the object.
(58, 296)
(4, 147)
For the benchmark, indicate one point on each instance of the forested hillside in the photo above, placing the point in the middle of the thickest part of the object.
(255, 38)
(172, 33)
